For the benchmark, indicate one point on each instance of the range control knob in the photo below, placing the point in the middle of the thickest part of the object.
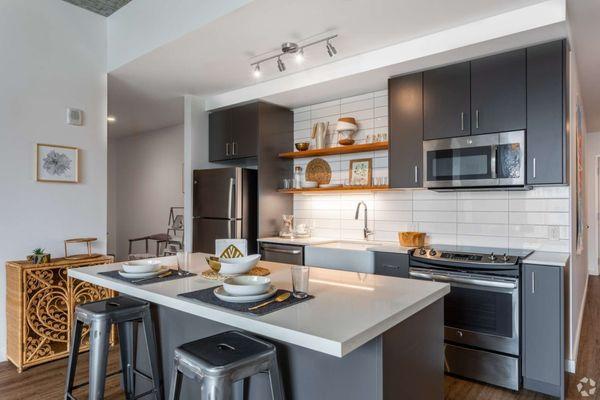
(505, 257)
(492, 257)
(432, 252)
(422, 251)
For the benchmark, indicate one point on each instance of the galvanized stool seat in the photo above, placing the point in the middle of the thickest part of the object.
(125, 312)
(220, 360)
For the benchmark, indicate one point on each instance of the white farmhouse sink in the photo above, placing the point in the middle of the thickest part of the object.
(346, 255)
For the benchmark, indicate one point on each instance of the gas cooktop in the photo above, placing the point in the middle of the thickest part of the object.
(471, 254)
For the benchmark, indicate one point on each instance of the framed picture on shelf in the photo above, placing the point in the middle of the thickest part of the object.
(56, 163)
(361, 171)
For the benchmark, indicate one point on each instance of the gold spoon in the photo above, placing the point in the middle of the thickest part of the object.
(278, 299)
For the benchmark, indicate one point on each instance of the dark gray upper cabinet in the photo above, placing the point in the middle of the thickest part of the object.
(543, 329)
(405, 98)
(233, 133)
(244, 130)
(447, 102)
(219, 140)
(547, 113)
(391, 264)
(498, 93)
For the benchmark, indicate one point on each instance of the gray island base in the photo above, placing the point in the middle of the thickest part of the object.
(405, 362)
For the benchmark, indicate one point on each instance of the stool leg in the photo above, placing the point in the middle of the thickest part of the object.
(73, 354)
(215, 389)
(276, 381)
(152, 353)
(176, 378)
(127, 344)
(99, 342)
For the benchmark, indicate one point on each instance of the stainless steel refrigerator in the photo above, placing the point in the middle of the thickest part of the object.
(225, 206)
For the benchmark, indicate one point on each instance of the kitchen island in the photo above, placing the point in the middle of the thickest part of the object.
(362, 337)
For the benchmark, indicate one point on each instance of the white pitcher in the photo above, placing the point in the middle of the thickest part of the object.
(319, 133)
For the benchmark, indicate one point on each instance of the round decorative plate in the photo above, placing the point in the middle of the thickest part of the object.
(318, 170)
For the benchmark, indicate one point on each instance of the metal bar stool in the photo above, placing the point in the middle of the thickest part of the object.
(220, 360)
(100, 316)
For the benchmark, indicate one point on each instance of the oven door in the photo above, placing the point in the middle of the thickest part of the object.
(481, 310)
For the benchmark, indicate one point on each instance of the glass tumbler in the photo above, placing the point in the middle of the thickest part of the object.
(183, 263)
(300, 281)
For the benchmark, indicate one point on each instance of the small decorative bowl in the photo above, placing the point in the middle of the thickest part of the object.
(302, 146)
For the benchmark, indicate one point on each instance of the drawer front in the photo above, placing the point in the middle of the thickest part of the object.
(391, 264)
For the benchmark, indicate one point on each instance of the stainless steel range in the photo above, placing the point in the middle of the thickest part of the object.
(481, 313)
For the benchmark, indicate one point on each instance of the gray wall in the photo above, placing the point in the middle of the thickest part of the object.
(144, 181)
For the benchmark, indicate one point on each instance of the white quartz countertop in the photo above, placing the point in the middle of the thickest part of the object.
(547, 258)
(309, 241)
(349, 308)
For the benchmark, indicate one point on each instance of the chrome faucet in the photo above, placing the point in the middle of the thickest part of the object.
(366, 231)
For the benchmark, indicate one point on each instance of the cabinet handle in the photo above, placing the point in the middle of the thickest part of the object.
(416, 174)
(534, 167)
(477, 119)
(226, 149)
(462, 121)
(532, 282)
(233, 148)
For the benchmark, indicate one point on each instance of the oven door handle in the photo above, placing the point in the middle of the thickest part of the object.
(469, 281)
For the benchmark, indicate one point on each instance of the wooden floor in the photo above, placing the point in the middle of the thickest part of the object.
(46, 382)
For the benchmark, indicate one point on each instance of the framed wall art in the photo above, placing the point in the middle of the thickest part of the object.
(361, 171)
(56, 163)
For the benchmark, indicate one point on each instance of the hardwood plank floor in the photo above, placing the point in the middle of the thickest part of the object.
(46, 382)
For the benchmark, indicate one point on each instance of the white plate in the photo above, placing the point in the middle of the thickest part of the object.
(140, 275)
(223, 295)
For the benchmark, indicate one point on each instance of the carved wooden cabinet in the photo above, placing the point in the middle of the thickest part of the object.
(40, 301)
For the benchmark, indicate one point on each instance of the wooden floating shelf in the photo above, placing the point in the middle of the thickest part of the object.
(337, 189)
(355, 148)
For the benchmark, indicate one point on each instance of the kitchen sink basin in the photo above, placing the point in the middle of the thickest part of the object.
(345, 255)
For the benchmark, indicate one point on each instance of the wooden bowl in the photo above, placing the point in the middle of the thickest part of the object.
(346, 142)
(411, 239)
(302, 146)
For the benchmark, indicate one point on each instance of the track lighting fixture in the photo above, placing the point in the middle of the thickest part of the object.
(280, 65)
(298, 51)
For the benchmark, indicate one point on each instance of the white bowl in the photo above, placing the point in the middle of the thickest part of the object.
(310, 184)
(239, 265)
(246, 285)
(345, 126)
(141, 266)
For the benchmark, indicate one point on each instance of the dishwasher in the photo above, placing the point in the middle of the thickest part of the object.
(282, 253)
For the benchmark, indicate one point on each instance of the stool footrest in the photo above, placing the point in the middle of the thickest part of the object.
(87, 383)
(151, 391)
(142, 374)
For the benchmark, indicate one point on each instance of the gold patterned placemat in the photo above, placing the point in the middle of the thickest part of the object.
(215, 276)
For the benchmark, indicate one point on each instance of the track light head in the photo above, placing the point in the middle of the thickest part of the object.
(331, 50)
(280, 65)
(300, 56)
(256, 71)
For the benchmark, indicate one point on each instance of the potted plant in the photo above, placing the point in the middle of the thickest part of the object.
(38, 256)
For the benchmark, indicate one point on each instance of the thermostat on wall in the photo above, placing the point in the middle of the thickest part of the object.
(74, 116)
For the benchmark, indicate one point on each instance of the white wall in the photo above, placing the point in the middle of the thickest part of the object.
(147, 174)
(53, 58)
(498, 219)
(592, 149)
(142, 26)
(578, 271)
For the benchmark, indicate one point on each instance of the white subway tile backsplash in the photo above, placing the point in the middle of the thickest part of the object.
(520, 219)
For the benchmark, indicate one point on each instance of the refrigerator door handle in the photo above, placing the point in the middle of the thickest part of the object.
(230, 200)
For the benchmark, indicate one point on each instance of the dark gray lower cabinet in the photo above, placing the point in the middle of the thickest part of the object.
(391, 264)
(543, 329)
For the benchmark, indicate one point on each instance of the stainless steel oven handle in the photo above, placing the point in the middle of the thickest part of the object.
(283, 251)
(456, 279)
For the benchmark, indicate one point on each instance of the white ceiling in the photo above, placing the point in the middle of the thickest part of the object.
(146, 93)
(584, 18)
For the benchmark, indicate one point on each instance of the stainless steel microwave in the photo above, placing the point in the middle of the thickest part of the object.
(492, 160)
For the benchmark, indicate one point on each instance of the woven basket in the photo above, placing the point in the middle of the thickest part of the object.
(411, 239)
